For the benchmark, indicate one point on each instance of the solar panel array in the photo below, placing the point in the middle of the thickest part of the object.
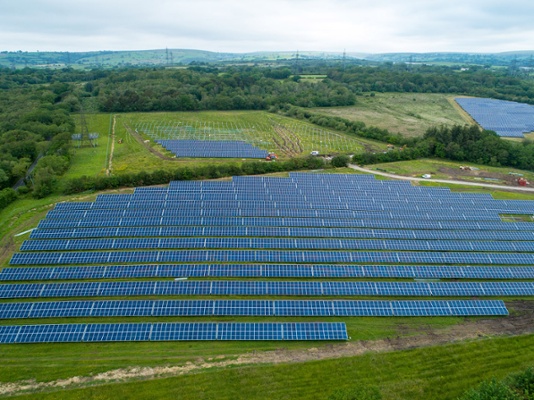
(506, 118)
(263, 271)
(327, 231)
(264, 288)
(280, 308)
(212, 148)
(171, 331)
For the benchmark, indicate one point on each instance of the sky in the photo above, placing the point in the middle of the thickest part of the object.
(240, 26)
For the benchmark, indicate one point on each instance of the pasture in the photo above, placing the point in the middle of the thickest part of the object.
(409, 114)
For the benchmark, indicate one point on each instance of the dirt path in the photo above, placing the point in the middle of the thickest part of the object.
(110, 161)
(140, 140)
(409, 178)
(520, 322)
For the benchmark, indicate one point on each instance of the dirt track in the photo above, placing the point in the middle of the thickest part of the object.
(520, 322)
(410, 178)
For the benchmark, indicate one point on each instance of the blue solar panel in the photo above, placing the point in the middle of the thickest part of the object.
(212, 149)
(265, 288)
(506, 118)
(172, 332)
(263, 271)
(271, 256)
(279, 308)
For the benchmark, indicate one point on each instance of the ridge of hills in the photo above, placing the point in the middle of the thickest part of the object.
(177, 57)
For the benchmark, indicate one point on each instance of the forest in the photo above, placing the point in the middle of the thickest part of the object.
(37, 107)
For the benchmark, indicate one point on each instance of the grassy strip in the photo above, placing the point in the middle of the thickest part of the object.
(441, 372)
(45, 362)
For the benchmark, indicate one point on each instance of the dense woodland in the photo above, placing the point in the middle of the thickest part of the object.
(36, 107)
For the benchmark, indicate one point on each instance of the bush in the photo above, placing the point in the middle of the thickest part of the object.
(7, 196)
(491, 390)
(523, 383)
(340, 161)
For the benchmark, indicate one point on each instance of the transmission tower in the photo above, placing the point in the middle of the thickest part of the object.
(297, 64)
(344, 59)
(84, 138)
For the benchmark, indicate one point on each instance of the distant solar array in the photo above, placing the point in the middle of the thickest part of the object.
(308, 227)
(506, 118)
(212, 149)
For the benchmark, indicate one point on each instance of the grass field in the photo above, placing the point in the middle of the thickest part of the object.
(410, 114)
(442, 372)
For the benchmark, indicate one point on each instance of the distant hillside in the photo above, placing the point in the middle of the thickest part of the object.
(519, 58)
(176, 57)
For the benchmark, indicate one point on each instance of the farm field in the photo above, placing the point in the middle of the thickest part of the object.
(410, 114)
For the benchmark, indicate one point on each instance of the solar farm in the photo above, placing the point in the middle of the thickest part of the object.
(309, 246)
(506, 118)
(254, 138)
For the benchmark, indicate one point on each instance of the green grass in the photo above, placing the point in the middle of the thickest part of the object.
(410, 114)
(441, 372)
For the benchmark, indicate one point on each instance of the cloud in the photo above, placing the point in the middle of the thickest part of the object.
(252, 25)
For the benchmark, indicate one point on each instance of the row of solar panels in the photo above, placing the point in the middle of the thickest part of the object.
(264, 271)
(345, 210)
(297, 212)
(284, 185)
(269, 256)
(282, 217)
(264, 308)
(274, 243)
(265, 231)
(329, 197)
(384, 223)
(264, 288)
(172, 332)
(291, 202)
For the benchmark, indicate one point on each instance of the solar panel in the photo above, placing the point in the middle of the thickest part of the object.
(263, 271)
(265, 288)
(506, 118)
(172, 332)
(271, 256)
(279, 308)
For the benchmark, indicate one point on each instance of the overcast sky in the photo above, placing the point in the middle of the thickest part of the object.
(371, 26)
